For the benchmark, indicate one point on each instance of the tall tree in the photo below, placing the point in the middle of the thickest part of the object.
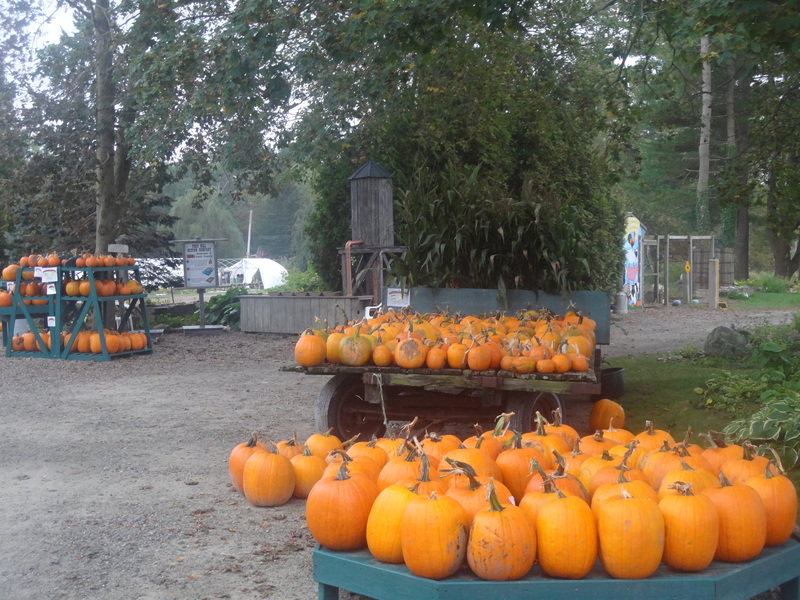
(704, 149)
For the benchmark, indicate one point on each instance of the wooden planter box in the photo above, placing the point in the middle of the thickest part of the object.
(291, 313)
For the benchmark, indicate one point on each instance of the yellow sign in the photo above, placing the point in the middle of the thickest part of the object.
(687, 267)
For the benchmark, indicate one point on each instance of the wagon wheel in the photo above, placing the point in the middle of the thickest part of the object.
(341, 406)
(524, 405)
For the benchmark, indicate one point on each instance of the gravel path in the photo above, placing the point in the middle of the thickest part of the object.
(114, 475)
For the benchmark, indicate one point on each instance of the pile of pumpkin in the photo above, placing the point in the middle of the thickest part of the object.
(84, 341)
(33, 291)
(501, 501)
(532, 341)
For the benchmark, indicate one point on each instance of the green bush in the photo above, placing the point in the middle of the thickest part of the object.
(301, 281)
(767, 282)
(225, 309)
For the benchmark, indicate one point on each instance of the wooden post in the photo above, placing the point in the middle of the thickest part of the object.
(713, 283)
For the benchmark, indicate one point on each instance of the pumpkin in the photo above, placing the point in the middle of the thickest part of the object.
(308, 470)
(361, 463)
(290, 447)
(692, 529)
(470, 491)
(434, 531)
(636, 488)
(780, 502)
(483, 464)
(320, 444)
(742, 521)
(382, 356)
(567, 432)
(310, 350)
(718, 452)
(5, 299)
(631, 532)
(383, 524)
(515, 465)
(566, 537)
(437, 445)
(410, 353)
(606, 413)
(748, 465)
(355, 349)
(436, 358)
(652, 438)
(595, 443)
(479, 358)
(338, 507)
(237, 459)
(10, 272)
(502, 542)
(400, 468)
(371, 450)
(698, 478)
(268, 478)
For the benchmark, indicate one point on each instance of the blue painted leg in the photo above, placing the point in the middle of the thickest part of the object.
(791, 589)
(328, 592)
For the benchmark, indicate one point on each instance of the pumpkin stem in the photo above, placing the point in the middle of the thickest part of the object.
(253, 440)
(537, 468)
(347, 443)
(503, 423)
(556, 415)
(461, 468)
(723, 480)
(491, 497)
(684, 489)
(343, 473)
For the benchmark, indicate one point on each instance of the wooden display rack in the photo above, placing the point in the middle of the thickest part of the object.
(71, 314)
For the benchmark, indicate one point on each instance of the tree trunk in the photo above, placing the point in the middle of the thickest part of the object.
(737, 144)
(107, 196)
(704, 150)
(787, 262)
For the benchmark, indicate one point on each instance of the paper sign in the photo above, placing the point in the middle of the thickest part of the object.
(48, 274)
(199, 265)
(397, 297)
(51, 289)
(51, 321)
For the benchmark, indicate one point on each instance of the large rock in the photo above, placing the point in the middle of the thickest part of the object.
(726, 342)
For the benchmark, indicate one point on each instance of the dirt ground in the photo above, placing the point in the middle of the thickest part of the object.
(114, 475)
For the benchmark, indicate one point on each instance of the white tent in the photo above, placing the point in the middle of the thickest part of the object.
(256, 272)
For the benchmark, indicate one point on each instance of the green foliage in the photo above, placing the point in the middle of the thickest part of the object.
(176, 322)
(769, 282)
(225, 309)
(215, 221)
(517, 168)
(770, 385)
(300, 281)
(777, 423)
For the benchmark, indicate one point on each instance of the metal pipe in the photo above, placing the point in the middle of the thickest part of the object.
(348, 265)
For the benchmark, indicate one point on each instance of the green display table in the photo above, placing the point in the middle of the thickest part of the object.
(359, 573)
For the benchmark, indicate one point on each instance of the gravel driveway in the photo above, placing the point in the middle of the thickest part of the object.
(114, 475)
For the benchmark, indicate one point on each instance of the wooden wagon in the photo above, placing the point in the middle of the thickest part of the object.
(367, 399)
